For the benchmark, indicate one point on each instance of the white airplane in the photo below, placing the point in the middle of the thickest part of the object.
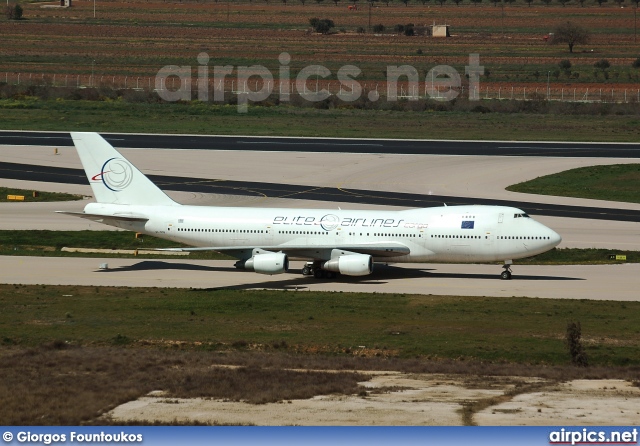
(332, 241)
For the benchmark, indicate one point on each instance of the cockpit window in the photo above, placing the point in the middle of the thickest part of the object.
(521, 216)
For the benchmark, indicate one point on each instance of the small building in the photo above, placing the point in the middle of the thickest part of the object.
(65, 3)
(440, 31)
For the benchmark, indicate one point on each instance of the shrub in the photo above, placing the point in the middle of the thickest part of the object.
(574, 342)
(379, 28)
(322, 26)
(565, 65)
(602, 64)
(361, 30)
(636, 63)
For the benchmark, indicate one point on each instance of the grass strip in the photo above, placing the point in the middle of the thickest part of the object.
(35, 196)
(618, 182)
(514, 330)
(199, 118)
(49, 243)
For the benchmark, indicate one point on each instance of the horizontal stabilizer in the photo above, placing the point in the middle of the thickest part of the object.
(100, 217)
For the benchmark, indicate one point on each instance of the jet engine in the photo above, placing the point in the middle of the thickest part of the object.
(350, 265)
(271, 263)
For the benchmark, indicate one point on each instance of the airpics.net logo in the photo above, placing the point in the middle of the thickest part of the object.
(587, 436)
(116, 174)
(442, 82)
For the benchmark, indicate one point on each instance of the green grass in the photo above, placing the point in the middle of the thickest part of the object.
(36, 196)
(199, 118)
(520, 330)
(619, 182)
(49, 244)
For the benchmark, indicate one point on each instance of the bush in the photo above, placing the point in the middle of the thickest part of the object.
(379, 28)
(602, 64)
(636, 63)
(574, 342)
(322, 26)
(13, 12)
(565, 65)
(361, 30)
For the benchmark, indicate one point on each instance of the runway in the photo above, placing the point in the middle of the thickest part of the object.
(29, 172)
(337, 145)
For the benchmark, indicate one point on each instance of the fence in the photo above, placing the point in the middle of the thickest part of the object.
(374, 90)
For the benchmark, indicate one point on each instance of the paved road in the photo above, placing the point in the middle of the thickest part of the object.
(600, 282)
(30, 172)
(337, 145)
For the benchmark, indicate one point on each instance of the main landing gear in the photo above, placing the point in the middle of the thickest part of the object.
(314, 269)
(506, 274)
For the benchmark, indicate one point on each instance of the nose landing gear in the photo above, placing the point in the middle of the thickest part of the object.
(506, 274)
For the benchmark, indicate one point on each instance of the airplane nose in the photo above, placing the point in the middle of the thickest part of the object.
(554, 238)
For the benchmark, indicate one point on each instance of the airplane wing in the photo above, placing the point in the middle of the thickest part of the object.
(379, 249)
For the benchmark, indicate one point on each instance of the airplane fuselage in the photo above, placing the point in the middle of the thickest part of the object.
(439, 234)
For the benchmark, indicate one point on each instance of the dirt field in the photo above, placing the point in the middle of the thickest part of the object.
(396, 398)
(138, 38)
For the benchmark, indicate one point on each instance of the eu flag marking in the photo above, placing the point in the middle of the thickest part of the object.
(467, 224)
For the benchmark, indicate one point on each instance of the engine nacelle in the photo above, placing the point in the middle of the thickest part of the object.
(272, 263)
(350, 265)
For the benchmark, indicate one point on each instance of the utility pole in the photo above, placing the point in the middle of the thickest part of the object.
(92, 64)
(502, 6)
(548, 73)
(370, 5)
(94, 8)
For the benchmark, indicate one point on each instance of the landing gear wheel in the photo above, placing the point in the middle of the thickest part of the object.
(318, 273)
(306, 271)
(505, 275)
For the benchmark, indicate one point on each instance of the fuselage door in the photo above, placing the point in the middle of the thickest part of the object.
(500, 217)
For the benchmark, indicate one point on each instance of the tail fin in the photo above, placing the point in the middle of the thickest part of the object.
(113, 178)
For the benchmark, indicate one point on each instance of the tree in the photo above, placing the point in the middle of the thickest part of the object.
(13, 12)
(636, 63)
(457, 2)
(477, 2)
(602, 64)
(563, 2)
(600, 2)
(571, 34)
(529, 2)
(408, 30)
(379, 28)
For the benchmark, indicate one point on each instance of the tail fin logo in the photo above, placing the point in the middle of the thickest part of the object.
(116, 174)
